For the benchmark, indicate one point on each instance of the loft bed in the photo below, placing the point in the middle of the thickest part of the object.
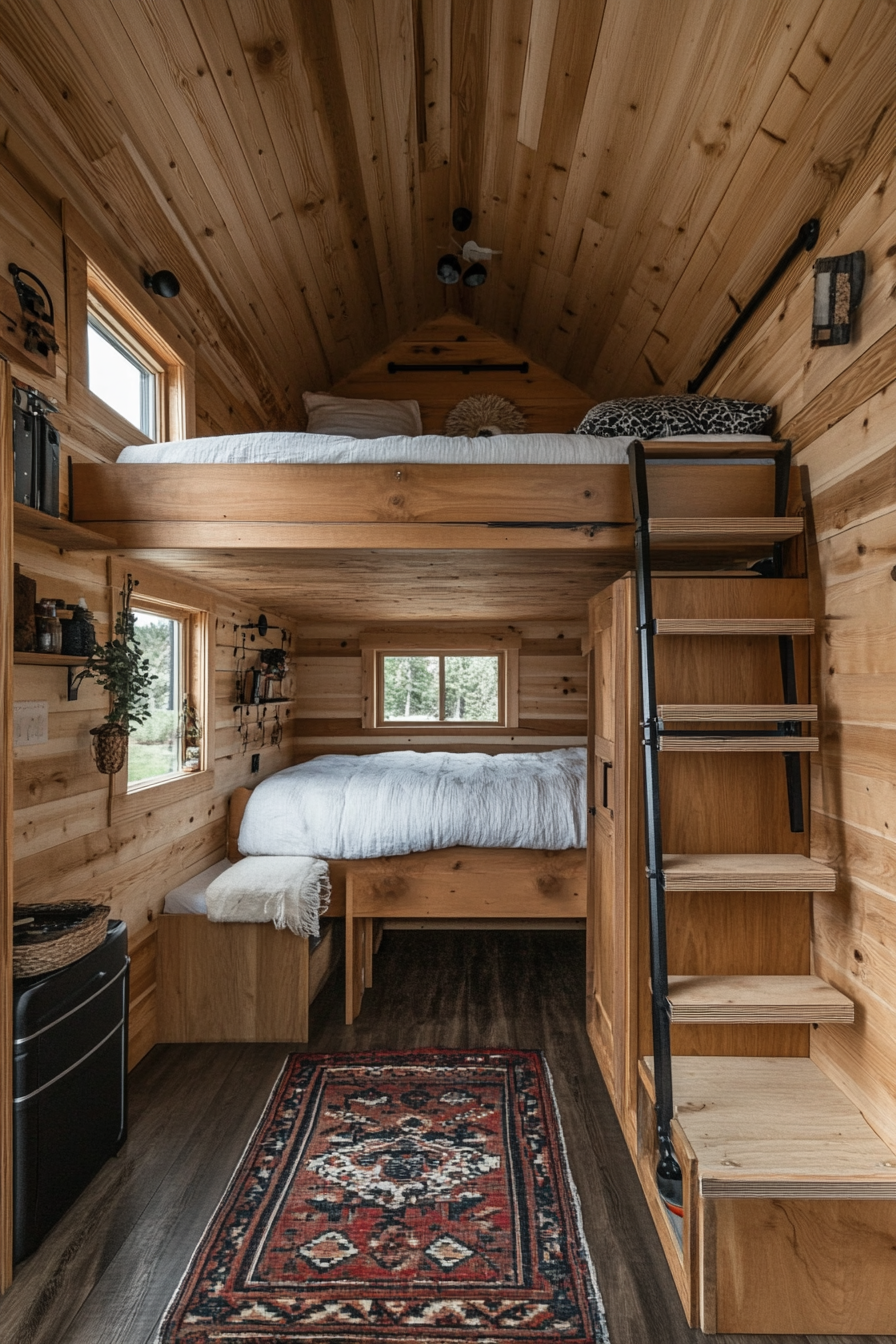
(558, 504)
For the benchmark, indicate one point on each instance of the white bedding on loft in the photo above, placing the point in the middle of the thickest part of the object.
(404, 802)
(501, 449)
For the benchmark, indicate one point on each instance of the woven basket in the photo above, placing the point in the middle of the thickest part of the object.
(110, 748)
(56, 936)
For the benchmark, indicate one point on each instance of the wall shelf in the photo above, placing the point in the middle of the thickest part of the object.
(59, 532)
(48, 659)
(54, 660)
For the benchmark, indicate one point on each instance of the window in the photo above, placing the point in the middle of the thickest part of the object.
(424, 679)
(172, 754)
(124, 381)
(156, 747)
(441, 688)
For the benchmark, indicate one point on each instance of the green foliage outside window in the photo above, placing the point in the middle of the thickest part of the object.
(411, 685)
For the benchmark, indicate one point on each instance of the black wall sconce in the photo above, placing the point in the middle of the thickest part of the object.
(38, 317)
(163, 283)
(839, 282)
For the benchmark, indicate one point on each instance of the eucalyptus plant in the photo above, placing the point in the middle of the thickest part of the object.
(120, 668)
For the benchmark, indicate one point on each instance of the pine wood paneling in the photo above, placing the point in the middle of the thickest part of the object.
(552, 695)
(639, 167)
(551, 403)
(840, 405)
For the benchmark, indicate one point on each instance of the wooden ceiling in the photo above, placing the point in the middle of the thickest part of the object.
(640, 163)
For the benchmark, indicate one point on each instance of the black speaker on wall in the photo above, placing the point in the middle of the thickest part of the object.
(48, 472)
(23, 427)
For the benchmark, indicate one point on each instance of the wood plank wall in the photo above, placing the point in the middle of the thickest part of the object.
(64, 845)
(551, 404)
(839, 405)
(552, 709)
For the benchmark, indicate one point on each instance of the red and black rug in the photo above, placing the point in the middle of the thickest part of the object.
(395, 1197)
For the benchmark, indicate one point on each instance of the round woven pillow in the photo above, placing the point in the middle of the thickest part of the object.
(483, 414)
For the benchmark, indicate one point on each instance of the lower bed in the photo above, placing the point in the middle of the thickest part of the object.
(253, 982)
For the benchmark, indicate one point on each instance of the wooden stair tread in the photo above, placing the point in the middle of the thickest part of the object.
(737, 625)
(771, 1128)
(737, 713)
(746, 872)
(725, 529)
(756, 998)
(719, 742)
(705, 446)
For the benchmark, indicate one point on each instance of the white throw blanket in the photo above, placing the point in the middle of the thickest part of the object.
(291, 893)
(404, 802)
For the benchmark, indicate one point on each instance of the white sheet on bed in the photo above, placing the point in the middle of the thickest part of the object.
(403, 802)
(513, 449)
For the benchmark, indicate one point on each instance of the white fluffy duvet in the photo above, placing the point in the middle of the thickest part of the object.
(404, 802)
(501, 449)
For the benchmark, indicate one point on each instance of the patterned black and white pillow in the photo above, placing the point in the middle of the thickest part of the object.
(664, 416)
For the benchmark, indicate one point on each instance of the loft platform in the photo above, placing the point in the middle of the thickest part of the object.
(790, 1199)
(421, 506)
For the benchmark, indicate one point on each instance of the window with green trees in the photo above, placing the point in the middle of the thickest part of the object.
(156, 746)
(442, 688)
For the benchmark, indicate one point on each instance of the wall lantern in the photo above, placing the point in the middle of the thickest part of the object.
(838, 288)
(163, 283)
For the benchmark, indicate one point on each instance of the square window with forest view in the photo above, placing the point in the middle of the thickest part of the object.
(442, 688)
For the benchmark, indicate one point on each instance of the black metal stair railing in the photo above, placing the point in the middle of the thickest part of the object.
(668, 1171)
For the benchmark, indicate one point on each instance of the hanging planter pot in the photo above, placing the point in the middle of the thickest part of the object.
(110, 747)
(121, 669)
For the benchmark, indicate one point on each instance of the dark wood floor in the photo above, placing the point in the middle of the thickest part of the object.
(107, 1271)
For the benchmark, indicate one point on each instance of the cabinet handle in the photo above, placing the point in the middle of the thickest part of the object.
(605, 793)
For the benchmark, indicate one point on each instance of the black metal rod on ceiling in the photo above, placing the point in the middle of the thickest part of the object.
(457, 368)
(803, 242)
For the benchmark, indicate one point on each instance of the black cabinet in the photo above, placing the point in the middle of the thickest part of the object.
(70, 1032)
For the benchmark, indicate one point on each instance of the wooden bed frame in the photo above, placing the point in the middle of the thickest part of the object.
(412, 506)
(462, 887)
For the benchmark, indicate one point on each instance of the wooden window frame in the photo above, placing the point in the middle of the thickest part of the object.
(377, 644)
(159, 595)
(97, 280)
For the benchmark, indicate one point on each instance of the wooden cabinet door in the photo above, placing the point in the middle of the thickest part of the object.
(607, 1012)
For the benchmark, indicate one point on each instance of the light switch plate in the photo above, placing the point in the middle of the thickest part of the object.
(30, 723)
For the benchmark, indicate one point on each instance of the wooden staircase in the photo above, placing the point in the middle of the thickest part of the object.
(702, 1000)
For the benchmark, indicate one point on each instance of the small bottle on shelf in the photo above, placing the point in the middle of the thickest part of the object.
(49, 627)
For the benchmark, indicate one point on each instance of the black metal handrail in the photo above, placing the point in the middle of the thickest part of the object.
(803, 242)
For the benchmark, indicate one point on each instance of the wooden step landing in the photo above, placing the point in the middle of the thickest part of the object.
(737, 713)
(725, 529)
(746, 872)
(722, 743)
(773, 1128)
(739, 625)
(756, 998)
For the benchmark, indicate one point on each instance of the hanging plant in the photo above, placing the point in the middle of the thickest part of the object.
(120, 668)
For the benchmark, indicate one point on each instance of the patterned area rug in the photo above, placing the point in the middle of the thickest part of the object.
(393, 1197)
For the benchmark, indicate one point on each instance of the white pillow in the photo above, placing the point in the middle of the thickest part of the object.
(361, 417)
